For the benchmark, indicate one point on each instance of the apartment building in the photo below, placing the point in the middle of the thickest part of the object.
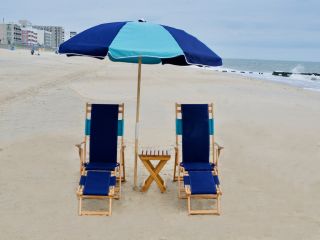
(43, 37)
(72, 34)
(69, 34)
(57, 34)
(29, 36)
(10, 34)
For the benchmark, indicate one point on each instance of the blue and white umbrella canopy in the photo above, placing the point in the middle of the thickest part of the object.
(140, 42)
(154, 43)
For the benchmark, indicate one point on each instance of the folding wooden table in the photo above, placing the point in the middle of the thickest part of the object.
(146, 156)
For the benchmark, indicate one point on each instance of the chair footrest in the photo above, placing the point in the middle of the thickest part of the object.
(97, 183)
(195, 166)
(113, 181)
(100, 166)
(201, 182)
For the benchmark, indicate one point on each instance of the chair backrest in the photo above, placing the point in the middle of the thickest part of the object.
(103, 126)
(196, 130)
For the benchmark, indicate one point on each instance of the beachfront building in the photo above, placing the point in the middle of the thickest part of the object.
(69, 34)
(10, 34)
(72, 34)
(57, 34)
(25, 23)
(29, 36)
(43, 38)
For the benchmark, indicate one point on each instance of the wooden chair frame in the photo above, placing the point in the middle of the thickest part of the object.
(189, 197)
(215, 211)
(83, 153)
(111, 195)
(215, 148)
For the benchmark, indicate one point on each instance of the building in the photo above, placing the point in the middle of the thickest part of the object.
(10, 33)
(57, 34)
(69, 34)
(29, 36)
(43, 37)
(25, 23)
(72, 34)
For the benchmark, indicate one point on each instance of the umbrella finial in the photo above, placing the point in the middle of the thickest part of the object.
(141, 20)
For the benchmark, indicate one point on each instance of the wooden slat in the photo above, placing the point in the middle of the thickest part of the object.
(96, 213)
(88, 107)
(179, 111)
(204, 212)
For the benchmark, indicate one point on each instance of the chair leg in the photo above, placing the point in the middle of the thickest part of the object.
(120, 180)
(179, 183)
(123, 169)
(189, 205)
(95, 213)
(214, 211)
(175, 167)
(80, 206)
(117, 187)
(110, 207)
(218, 205)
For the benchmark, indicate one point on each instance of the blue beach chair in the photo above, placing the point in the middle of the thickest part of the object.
(195, 139)
(202, 185)
(96, 185)
(104, 138)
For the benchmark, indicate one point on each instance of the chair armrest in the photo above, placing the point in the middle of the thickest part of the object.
(176, 148)
(219, 147)
(80, 144)
(122, 147)
(80, 149)
(219, 191)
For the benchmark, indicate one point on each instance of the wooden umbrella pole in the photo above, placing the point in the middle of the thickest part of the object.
(136, 146)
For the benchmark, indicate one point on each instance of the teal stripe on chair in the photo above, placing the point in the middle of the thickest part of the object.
(120, 127)
(211, 126)
(179, 126)
(87, 127)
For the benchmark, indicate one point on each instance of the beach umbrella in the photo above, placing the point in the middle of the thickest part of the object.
(143, 43)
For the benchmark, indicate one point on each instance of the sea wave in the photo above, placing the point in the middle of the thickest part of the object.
(298, 78)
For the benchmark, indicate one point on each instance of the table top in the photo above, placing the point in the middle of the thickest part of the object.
(154, 153)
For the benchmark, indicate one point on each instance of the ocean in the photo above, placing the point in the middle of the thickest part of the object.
(263, 69)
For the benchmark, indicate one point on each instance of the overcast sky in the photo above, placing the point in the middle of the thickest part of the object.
(256, 29)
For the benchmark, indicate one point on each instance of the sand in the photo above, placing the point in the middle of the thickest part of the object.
(269, 168)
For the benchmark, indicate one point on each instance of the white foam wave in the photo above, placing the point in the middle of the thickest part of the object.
(308, 82)
(298, 69)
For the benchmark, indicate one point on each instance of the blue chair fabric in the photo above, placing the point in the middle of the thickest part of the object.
(120, 127)
(97, 183)
(195, 166)
(106, 166)
(195, 138)
(83, 179)
(104, 133)
(202, 182)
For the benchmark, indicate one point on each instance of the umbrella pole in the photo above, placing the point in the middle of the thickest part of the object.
(136, 144)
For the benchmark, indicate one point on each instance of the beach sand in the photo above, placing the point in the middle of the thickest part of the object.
(269, 168)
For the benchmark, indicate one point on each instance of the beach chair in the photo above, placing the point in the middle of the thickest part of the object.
(104, 136)
(202, 185)
(96, 185)
(195, 139)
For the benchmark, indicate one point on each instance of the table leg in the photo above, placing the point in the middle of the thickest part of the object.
(154, 175)
(157, 170)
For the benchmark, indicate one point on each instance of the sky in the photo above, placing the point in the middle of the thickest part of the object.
(247, 29)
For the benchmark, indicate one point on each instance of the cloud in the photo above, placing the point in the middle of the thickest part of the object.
(232, 28)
